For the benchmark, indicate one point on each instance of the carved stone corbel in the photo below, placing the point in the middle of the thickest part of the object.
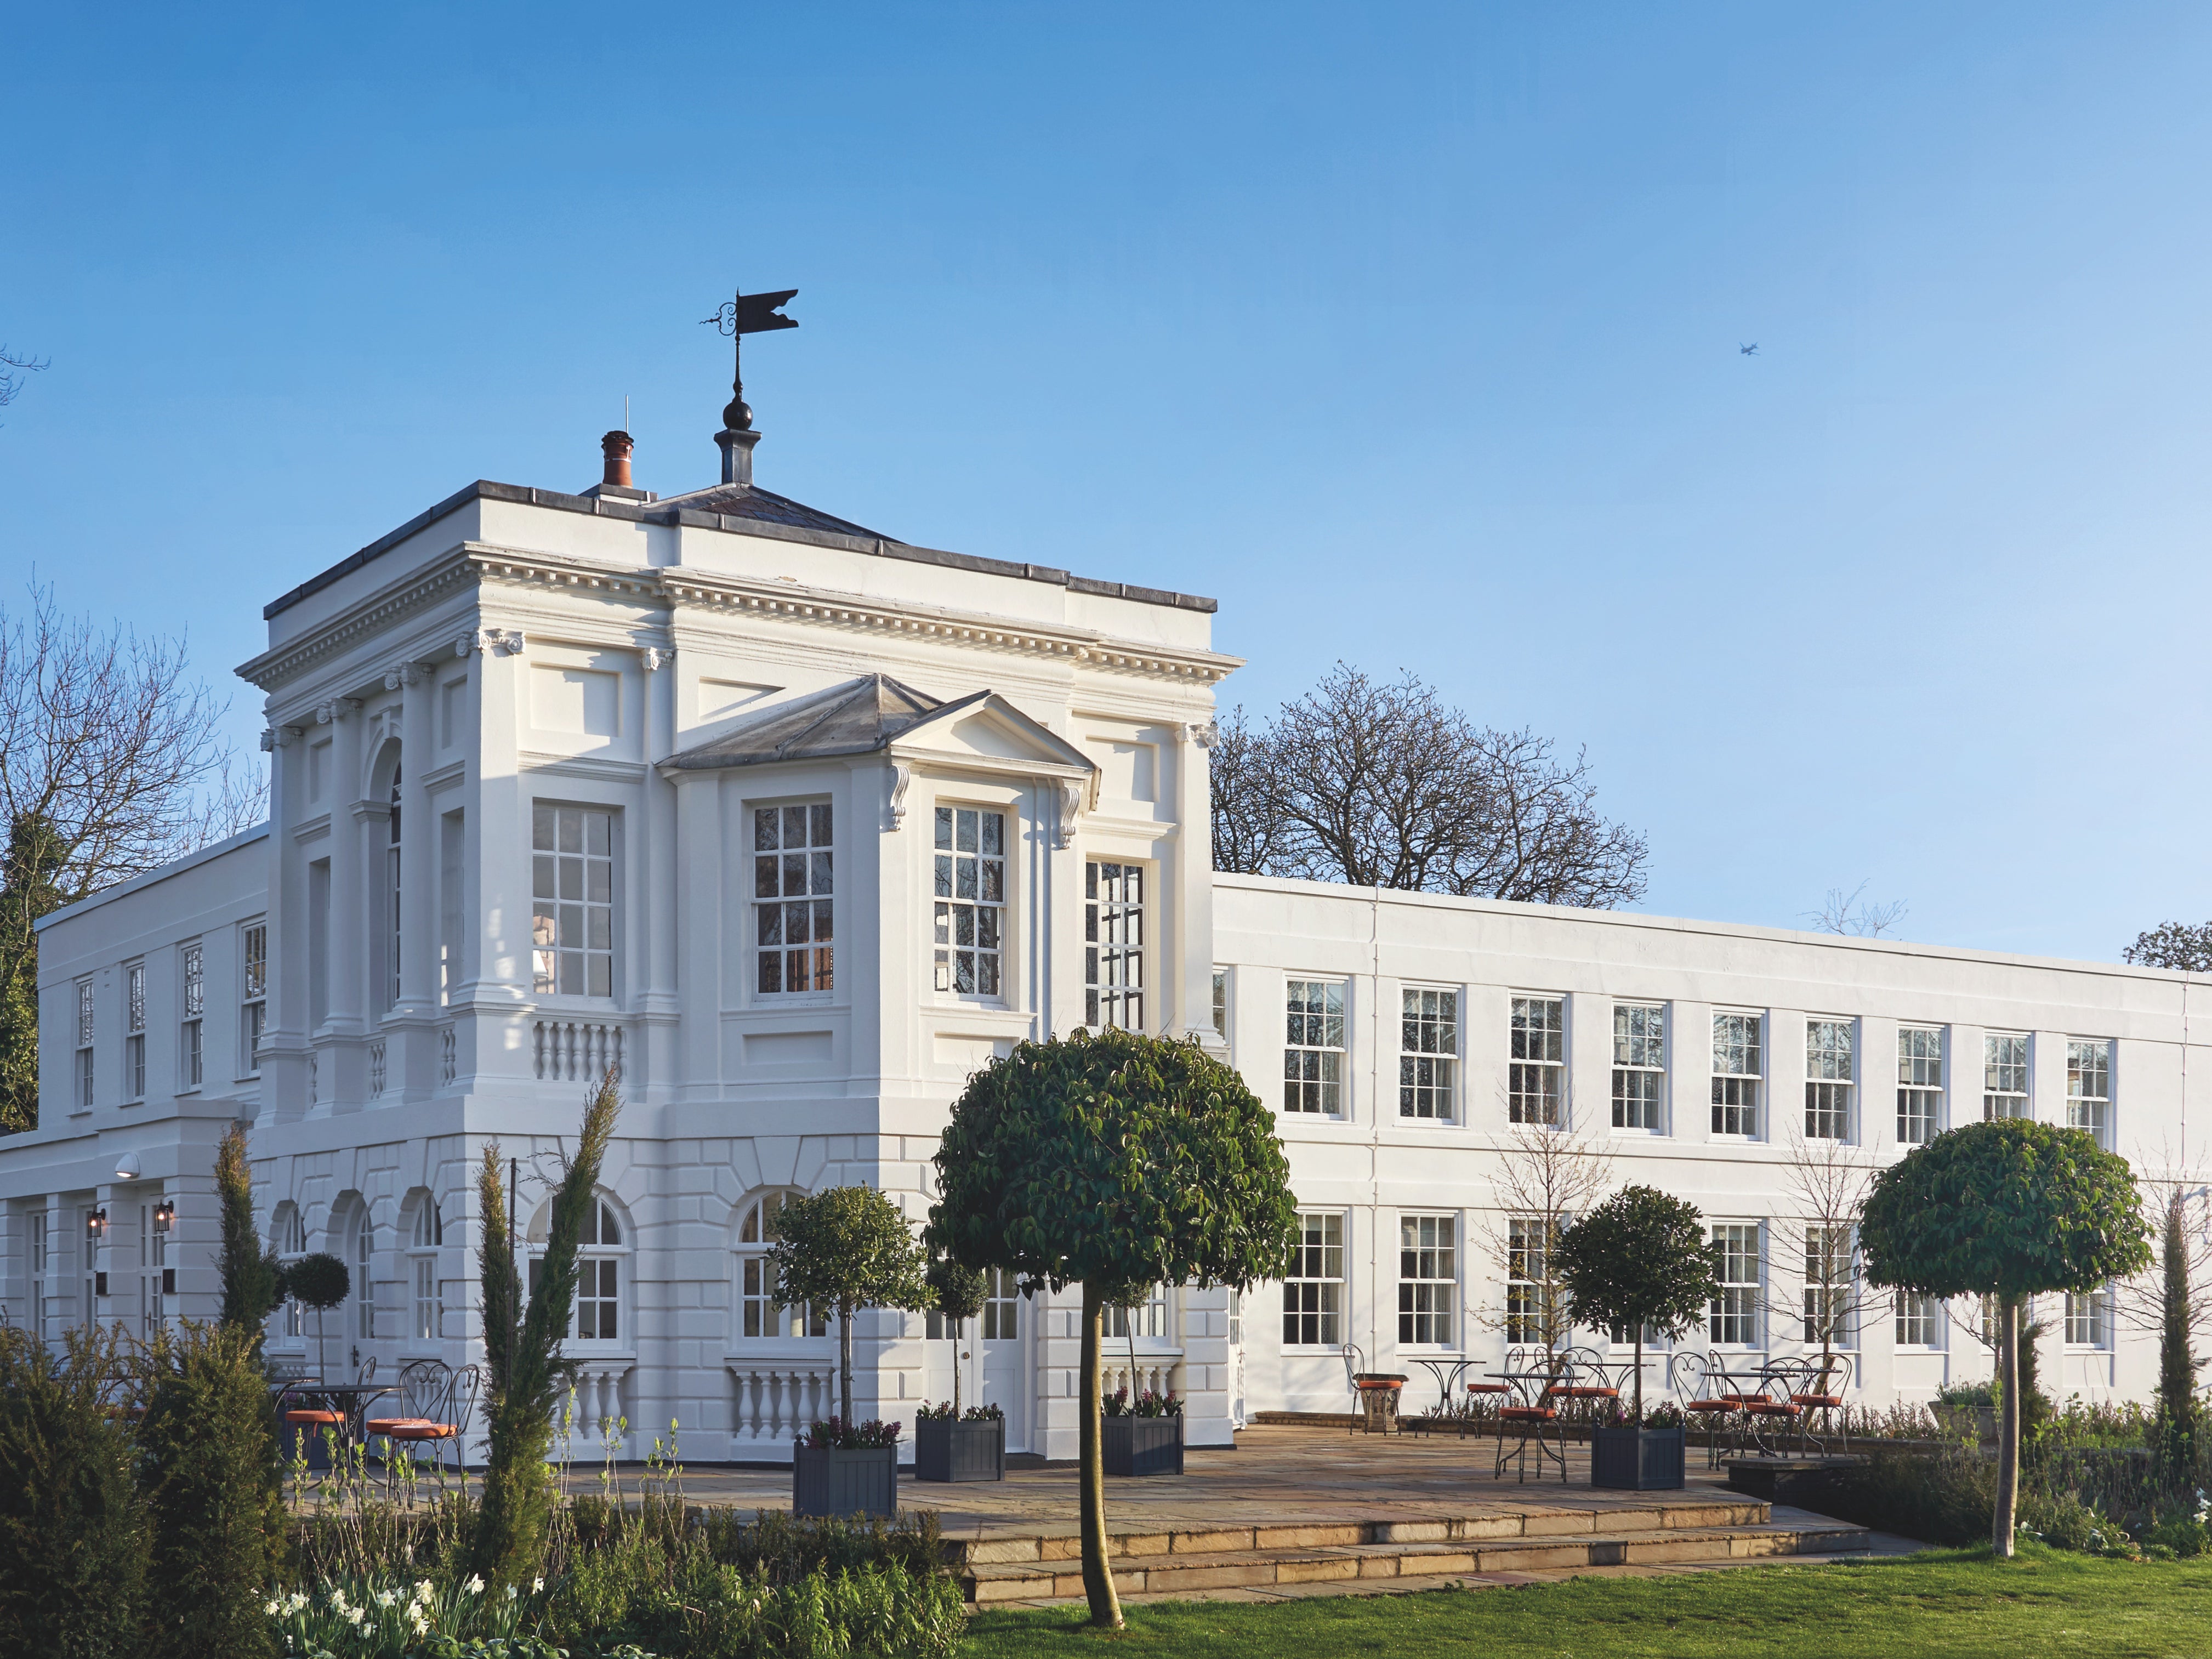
(658, 657)
(509, 643)
(1204, 736)
(1071, 807)
(336, 710)
(901, 777)
(401, 674)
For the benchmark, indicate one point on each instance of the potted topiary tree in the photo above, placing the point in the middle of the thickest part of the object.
(947, 1444)
(319, 1281)
(846, 1249)
(1114, 1161)
(2008, 1209)
(1640, 1260)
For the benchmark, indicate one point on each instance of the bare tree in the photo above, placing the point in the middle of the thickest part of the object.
(1848, 914)
(1382, 785)
(13, 366)
(1826, 1182)
(2174, 945)
(2140, 1301)
(110, 764)
(1545, 1178)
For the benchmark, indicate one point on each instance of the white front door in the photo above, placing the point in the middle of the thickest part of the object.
(1000, 1369)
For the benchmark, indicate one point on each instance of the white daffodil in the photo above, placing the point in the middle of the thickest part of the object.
(536, 1585)
(272, 1606)
(422, 1591)
(475, 1586)
(384, 1598)
(511, 1592)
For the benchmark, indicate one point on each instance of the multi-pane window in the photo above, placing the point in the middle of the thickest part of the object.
(1737, 1069)
(792, 910)
(1114, 944)
(391, 901)
(134, 1044)
(572, 886)
(192, 1050)
(2089, 1087)
(1828, 1285)
(971, 899)
(1919, 1084)
(364, 1280)
(1313, 1290)
(429, 1303)
(84, 1042)
(1918, 1320)
(2004, 1076)
(1528, 1310)
(1428, 1278)
(2089, 1318)
(1145, 1321)
(1828, 1079)
(1428, 1038)
(760, 1313)
(39, 1290)
(1002, 1305)
(255, 1019)
(1538, 1066)
(157, 1283)
(599, 1288)
(1639, 1064)
(1313, 1054)
(291, 1237)
(1221, 1003)
(1733, 1319)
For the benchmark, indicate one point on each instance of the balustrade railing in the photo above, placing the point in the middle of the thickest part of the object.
(375, 1069)
(775, 1399)
(598, 1408)
(575, 1050)
(1161, 1374)
(448, 1062)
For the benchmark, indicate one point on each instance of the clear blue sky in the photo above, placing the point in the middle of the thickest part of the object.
(1409, 333)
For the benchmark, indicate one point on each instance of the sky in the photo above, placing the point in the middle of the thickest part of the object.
(1411, 334)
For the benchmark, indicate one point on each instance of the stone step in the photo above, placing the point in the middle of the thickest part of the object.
(1565, 1521)
(987, 1583)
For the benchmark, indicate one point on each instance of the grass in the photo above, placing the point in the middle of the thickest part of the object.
(1942, 1604)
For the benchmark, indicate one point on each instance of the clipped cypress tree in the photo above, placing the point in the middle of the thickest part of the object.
(524, 1371)
(2173, 1443)
(251, 1275)
(206, 1465)
(72, 1527)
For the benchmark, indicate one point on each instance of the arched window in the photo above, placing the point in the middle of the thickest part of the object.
(391, 895)
(289, 1234)
(759, 1315)
(426, 1238)
(603, 1250)
(364, 1282)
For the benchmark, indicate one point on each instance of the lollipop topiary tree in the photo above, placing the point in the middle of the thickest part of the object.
(319, 1281)
(2008, 1209)
(957, 1294)
(1115, 1162)
(1640, 1260)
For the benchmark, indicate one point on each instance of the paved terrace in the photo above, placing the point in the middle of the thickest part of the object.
(1305, 1511)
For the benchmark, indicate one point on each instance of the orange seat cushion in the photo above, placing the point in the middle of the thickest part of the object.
(314, 1419)
(1527, 1414)
(420, 1430)
(1711, 1405)
(1488, 1388)
(1771, 1408)
(391, 1425)
(1819, 1401)
(1588, 1392)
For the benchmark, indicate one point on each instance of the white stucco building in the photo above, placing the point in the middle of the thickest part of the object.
(800, 823)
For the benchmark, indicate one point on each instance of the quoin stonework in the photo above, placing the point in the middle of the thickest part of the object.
(797, 824)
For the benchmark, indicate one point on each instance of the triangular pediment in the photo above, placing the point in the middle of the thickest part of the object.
(987, 731)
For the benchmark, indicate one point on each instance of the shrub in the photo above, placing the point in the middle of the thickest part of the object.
(785, 1549)
(1939, 1498)
(72, 1532)
(837, 1434)
(208, 1468)
(2065, 1522)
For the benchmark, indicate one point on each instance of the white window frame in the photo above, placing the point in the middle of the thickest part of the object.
(1314, 1291)
(134, 1027)
(427, 1237)
(1316, 1066)
(2089, 1319)
(2089, 1060)
(1114, 943)
(579, 932)
(253, 995)
(1920, 1320)
(1529, 1241)
(1428, 1279)
(1830, 1080)
(594, 1256)
(1639, 1067)
(1739, 1072)
(969, 894)
(85, 1026)
(1152, 1321)
(1736, 1308)
(289, 1236)
(191, 1030)
(1919, 1084)
(1536, 1073)
(363, 1264)
(2007, 1075)
(795, 892)
(1828, 1245)
(753, 1283)
(1428, 1056)
(1221, 1003)
(1002, 1319)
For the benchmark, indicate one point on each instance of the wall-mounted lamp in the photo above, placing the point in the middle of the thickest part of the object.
(95, 1223)
(126, 1167)
(165, 1213)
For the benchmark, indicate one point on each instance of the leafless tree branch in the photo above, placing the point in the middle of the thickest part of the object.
(1544, 1176)
(1849, 914)
(14, 367)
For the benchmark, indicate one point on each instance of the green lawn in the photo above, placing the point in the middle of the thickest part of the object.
(1944, 1603)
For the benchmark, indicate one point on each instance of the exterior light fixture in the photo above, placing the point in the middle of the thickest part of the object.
(165, 1215)
(126, 1167)
(96, 1223)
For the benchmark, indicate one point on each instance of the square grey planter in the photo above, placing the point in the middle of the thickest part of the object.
(1637, 1460)
(972, 1449)
(1143, 1445)
(861, 1481)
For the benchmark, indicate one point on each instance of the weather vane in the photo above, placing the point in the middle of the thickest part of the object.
(734, 318)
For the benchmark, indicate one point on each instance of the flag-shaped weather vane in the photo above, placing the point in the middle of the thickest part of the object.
(734, 318)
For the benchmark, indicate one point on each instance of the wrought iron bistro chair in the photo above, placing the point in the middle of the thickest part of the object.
(1531, 1412)
(1708, 1396)
(1770, 1411)
(1375, 1394)
(436, 1404)
(1827, 1391)
(1580, 1376)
